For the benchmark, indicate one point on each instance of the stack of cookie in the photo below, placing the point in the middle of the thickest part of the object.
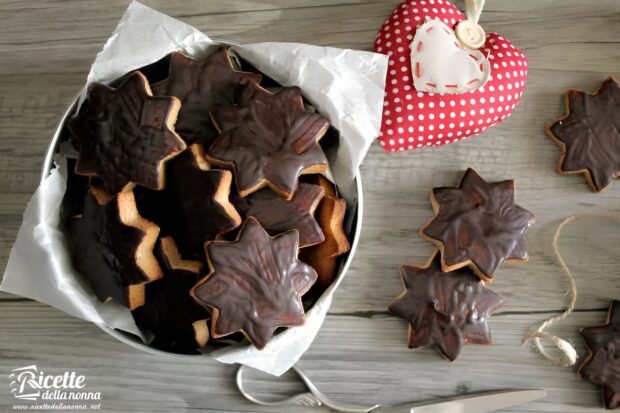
(194, 214)
(477, 226)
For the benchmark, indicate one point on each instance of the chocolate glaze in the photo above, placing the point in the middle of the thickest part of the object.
(603, 366)
(479, 221)
(277, 215)
(169, 310)
(123, 134)
(76, 193)
(256, 284)
(268, 138)
(202, 85)
(104, 250)
(445, 310)
(317, 179)
(590, 133)
(198, 215)
(156, 207)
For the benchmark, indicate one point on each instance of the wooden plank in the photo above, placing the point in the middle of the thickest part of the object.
(360, 354)
(355, 359)
(390, 235)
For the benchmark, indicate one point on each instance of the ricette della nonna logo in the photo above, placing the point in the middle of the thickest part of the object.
(51, 391)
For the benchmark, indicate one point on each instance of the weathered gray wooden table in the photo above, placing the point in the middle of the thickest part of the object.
(360, 354)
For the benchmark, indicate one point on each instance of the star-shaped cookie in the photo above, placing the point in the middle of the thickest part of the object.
(113, 247)
(277, 215)
(602, 367)
(269, 140)
(330, 215)
(589, 135)
(126, 135)
(177, 321)
(255, 284)
(202, 85)
(198, 197)
(478, 224)
(444, 309)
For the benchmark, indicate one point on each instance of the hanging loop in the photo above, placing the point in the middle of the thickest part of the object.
(469, 32)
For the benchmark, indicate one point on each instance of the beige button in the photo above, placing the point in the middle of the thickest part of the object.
(470, 34)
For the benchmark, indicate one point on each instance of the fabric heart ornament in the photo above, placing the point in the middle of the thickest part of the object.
(413, 118)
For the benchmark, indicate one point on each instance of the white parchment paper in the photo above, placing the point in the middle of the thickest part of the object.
(346, 86)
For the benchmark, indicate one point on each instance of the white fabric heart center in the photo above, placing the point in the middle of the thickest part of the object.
(440, 64)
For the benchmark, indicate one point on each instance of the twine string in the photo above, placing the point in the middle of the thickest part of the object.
(537, 333)
(473, 9)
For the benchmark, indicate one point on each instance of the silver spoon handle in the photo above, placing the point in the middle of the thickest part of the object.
(312, 398)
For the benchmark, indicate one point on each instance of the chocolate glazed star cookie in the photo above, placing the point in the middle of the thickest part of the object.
(114, 247)
(202, 85)
(478, 224)
(255, 284)
(445, 310)
(276, 214)
(126, 135)
(199, 195)
(602, 367)
(269, 140)
(178, 322)
(589, 135)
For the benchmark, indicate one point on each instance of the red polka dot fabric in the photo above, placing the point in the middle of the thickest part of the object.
(412, 119)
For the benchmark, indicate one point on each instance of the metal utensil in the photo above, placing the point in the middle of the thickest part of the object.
(471, 403)
(313, 397)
